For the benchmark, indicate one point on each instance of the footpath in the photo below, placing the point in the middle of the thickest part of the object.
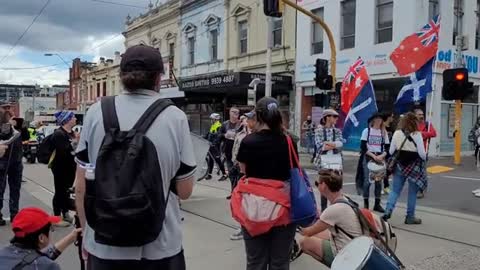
(445, 240)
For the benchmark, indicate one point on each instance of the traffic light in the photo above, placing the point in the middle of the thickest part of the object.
(273, 8)
(322, 79)
(456, 85)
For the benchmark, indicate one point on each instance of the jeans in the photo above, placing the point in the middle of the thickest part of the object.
(63, 178)
(271, 250)
(398, 183)
(14, 177)
(366, 183)
(176, 262)
(232, 176)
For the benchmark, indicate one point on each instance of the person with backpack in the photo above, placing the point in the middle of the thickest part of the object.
(30, 247)
(323, 240)
(264, 159)
(63, 143)
(372, 166)
(407, 144)
(136, 160)
(329, 142)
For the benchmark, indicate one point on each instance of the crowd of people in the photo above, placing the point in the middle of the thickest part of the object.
(140, 130)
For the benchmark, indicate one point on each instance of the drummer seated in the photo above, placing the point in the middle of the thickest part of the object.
(323, 240)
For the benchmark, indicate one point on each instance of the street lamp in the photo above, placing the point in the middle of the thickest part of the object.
(59, 56)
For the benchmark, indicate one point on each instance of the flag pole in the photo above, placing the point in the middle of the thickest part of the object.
(432, 97)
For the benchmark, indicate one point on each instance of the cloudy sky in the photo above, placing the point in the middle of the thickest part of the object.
(72, 28)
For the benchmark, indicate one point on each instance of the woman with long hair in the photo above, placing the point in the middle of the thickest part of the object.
(408, 141)
(373, 149)
(264, 157)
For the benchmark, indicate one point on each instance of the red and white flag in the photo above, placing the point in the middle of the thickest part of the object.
(417, 49)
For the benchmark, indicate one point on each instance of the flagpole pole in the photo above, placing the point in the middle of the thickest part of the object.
(432, 97)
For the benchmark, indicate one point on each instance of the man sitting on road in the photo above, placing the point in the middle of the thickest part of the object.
(30, 247)
(322, 241)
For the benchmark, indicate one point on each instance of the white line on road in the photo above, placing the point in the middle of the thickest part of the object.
(461, 178)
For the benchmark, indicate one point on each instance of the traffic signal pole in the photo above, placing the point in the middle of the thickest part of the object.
(331, 40)
(458, 103)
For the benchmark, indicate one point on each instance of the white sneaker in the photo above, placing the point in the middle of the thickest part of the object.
(476, 191)
(477, 194)
(237, 235)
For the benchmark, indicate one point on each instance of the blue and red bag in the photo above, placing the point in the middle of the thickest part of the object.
(303, 207)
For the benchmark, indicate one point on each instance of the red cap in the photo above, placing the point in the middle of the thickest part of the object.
(30, 220)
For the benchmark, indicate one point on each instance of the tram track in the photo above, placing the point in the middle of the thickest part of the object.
(218, 222)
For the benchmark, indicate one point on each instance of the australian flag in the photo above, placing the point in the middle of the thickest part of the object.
(364, 105)
(416, 88)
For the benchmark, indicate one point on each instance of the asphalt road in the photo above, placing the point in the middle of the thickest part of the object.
(447, 191)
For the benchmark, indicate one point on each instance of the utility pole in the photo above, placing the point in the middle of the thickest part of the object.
(458, 64)
(268, 72)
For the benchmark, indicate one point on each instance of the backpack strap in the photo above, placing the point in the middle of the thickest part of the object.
(149, 116)
(109, 114)
(27, 260)
(363, 221)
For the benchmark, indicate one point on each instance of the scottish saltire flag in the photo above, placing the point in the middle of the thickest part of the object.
(363, 106)
(416, 88)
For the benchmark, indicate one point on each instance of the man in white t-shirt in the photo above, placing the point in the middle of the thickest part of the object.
(374, 146)
(338, 224)
(141, 70)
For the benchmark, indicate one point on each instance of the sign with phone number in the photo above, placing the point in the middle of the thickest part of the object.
(215, 81)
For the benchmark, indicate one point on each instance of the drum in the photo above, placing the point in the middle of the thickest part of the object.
(362, 254)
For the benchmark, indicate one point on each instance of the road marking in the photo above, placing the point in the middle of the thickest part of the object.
(461, 178)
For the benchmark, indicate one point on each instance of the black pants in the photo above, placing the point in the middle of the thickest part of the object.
(270, 251)
(13, 176)
(176, 262)
(63, 178)
(216, 157)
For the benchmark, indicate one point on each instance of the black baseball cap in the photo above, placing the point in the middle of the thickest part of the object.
(267, 104)
(141, 58)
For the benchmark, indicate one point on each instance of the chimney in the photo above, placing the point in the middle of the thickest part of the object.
(118, 57)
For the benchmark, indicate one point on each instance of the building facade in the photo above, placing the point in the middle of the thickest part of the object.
(159, 27)
(217, 53)
(75, 98)
(373, 30)
(11, 93)
(102, 79)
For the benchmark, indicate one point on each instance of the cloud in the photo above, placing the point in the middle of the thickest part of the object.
(67, 27)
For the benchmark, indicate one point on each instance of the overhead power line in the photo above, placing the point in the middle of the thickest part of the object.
(118, 4)
(29, 68)
(25, 32)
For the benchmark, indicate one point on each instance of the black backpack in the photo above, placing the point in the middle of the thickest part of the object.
(125, 204)
(46, 149)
